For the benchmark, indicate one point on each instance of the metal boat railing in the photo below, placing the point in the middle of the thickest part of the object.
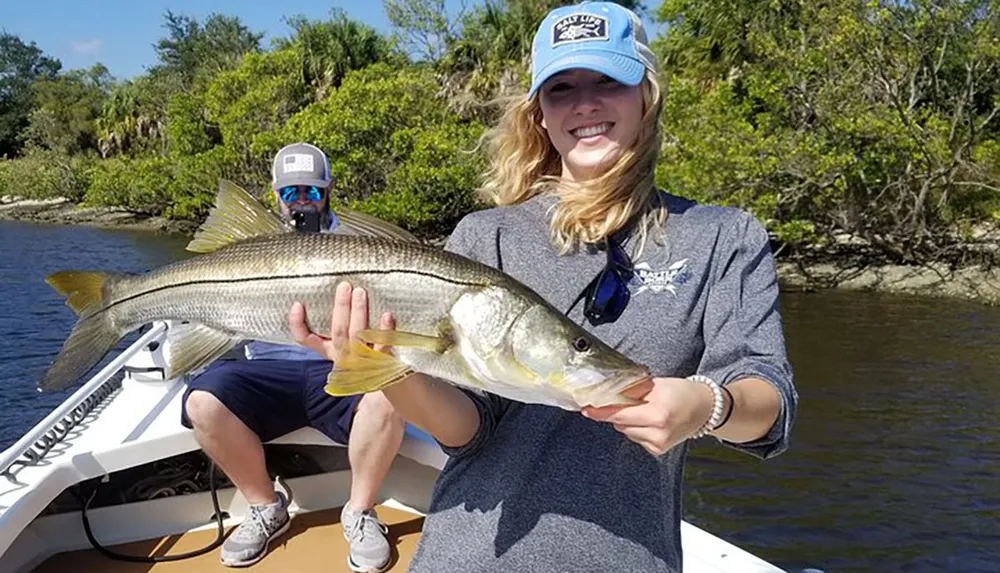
(35, 444)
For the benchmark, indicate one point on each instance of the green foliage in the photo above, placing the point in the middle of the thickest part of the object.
(21, 65)
(257, 97)
(328, 50)
(431, 189)
(194, 182)
(712, 152)
(66, 110)
(46, 174)
(873, 118)
(139, 185)
(187, 130)
(161, 111)
(181, 188)
(355, 124)
(134, 117)
(378, 121)
(491, 56)
(423, 27)
(192, 49)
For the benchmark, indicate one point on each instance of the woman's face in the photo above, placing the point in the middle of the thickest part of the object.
(591, 119)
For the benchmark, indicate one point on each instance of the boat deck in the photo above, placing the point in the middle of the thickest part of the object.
(315, 542)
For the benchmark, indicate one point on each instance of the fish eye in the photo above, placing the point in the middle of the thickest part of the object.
(581, 344)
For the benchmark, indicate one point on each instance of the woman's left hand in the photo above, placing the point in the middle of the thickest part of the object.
(672, 410)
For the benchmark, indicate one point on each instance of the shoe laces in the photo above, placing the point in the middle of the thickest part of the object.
(358, 528)
(254, 525)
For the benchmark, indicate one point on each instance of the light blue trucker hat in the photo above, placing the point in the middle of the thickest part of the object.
(599, 36)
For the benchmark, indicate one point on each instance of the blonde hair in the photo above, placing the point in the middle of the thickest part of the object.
(524, 163)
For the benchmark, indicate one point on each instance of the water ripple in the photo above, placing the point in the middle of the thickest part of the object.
(34, 321)
(895, 456)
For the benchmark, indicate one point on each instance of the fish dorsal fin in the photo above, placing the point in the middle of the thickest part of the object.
(192, 346)
(357, 223)
(364, 370)
(236, 216)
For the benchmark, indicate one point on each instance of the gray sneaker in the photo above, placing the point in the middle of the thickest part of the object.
(263, 523)
(365, 534)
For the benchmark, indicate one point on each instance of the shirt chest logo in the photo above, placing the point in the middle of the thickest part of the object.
(658, 281)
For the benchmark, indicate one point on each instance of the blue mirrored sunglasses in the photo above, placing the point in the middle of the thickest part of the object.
(291, 193)
(608, 294)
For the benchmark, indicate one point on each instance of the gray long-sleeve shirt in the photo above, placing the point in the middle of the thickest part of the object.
(541, 489)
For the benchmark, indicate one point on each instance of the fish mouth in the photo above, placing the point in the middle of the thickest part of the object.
(628, 379)
(619, 383)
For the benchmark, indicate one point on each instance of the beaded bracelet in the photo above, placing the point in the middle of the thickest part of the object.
(714, 420)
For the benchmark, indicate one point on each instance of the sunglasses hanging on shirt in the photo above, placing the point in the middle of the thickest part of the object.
(608, 295)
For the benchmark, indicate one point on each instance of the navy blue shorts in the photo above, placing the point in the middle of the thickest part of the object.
(275, 397)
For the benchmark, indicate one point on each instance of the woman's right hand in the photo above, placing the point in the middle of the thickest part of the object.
(349, 316)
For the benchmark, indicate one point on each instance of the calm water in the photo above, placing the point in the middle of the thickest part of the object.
(895, 458)
(34, 320)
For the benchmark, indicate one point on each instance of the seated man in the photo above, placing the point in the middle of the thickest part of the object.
(234, 406)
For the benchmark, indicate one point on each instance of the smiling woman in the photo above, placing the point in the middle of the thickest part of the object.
(533, 487)
(591, 120)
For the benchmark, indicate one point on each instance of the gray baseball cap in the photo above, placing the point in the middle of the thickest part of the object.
(300, 164)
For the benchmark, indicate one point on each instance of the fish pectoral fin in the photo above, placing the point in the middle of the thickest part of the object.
(192, 346)
(236, 216)
(364, 370)
(434, 344)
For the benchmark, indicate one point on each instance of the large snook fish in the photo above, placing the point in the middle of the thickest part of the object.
(456, 319)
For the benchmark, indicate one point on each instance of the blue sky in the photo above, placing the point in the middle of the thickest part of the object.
(120, 34)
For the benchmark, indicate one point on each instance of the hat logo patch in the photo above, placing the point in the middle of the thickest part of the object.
(296, 162)
(579, 28)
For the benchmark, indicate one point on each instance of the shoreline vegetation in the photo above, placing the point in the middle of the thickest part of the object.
(865, 136)
(61, 211)
(845, 268)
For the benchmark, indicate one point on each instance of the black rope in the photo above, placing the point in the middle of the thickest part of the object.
(159, 558)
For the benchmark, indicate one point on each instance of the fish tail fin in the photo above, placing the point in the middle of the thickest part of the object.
(93, 336)
(84, 290)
